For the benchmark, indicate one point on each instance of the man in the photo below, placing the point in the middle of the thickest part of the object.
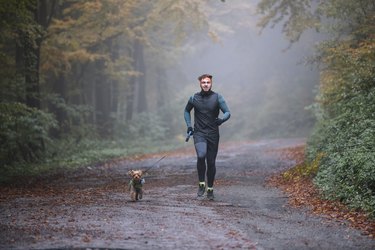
(207, 105)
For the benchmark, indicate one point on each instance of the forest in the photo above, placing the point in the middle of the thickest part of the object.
(86, 81)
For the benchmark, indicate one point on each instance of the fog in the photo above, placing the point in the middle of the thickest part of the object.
(262, 77)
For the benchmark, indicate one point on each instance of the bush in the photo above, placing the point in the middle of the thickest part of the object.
(23, 133)
(347, 170)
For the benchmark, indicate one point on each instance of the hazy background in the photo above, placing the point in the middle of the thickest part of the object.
(264, 79)
(114, 76)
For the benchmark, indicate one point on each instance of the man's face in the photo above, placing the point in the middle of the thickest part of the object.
(206, 84)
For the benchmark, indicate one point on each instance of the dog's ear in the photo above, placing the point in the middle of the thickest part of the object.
(131, 172)
(140, 172)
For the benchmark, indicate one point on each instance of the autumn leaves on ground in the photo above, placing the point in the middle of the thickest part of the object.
(297, 182)
(90, 207)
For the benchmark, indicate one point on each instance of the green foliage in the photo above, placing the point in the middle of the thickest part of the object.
(76, 116)
(304, 170)
(298, 14)
(12, 88)
(347, 169)
(17, 23)
(345, 107)
(346, 131)
(24, 133)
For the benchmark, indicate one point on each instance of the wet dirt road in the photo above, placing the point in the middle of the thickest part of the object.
(91, 208)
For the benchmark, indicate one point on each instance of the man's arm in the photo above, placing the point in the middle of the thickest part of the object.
(188, 108)
(224, 108)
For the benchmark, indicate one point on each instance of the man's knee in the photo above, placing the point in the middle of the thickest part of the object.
(201, 149)
(201, 155)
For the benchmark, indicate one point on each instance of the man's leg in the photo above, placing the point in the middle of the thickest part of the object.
(201, 150)
(212, 149)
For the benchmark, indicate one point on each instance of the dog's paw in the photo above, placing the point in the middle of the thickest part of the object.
(133, 196)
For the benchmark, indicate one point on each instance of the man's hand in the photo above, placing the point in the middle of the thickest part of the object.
(219, 121)
(190, 131)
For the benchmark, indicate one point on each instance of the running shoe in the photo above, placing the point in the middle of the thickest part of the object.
(201, 190)
(210, 194)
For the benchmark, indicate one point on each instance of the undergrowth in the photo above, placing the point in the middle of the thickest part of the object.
(70, 155)
(298, 183)
(303, 170)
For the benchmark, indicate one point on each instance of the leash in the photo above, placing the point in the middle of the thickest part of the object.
(153, 165)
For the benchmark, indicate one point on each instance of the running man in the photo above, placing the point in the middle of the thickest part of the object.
(207, 105)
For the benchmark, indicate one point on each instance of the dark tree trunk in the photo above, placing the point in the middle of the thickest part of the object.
(59, 87)
(130, 99)
(20, 65)
(141, 80)
(31, 60)
(32, 54)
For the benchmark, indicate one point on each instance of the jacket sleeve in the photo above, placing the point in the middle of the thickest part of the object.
(224, 108)
(189, 106)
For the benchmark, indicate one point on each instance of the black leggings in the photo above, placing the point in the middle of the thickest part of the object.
(206, 147)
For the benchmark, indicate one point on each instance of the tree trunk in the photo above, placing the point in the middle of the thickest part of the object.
(141, 80)
(32, 54)
(20, 65)
(130, 99)
(59, 87)
(31, 61)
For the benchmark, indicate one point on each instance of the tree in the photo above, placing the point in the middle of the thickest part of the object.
(82, 46)
(344, 134)
(29, 45)
(19, 28)
(107, 45)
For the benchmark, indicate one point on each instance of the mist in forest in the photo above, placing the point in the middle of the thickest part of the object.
(263, 78)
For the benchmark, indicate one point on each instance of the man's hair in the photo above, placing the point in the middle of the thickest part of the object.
(204, 76)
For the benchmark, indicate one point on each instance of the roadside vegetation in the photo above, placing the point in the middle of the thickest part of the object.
(31, 152)
(298, 184)
(341, 148)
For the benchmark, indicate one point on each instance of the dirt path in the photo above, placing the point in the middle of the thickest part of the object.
(91, 209)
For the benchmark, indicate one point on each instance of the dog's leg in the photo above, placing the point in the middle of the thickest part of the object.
(133, 195)
(140, 194)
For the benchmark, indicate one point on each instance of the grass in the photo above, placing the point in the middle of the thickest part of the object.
(69, 156)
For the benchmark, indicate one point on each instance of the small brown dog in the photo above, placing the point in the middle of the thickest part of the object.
(136, 184)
